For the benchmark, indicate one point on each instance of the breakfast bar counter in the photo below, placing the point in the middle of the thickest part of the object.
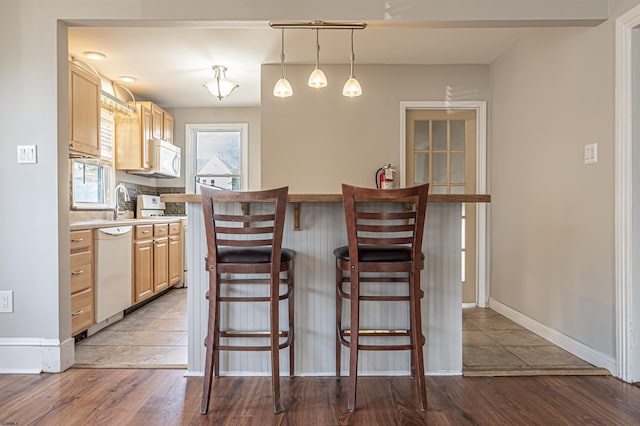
(319, 219)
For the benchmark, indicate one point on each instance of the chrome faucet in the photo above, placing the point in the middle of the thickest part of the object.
(116, 209)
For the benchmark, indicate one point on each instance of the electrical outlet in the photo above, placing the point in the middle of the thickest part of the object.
(6, 301)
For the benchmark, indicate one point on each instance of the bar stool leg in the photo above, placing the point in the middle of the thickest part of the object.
(216, 334)
(353, 344)
(338, 320)
(416, 336)
(292, 358)
(275, 339)
(210, 342)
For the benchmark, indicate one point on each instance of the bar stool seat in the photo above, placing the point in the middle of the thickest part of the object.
(377, 254)
(244, 252)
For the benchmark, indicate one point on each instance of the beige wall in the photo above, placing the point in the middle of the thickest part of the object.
(552, 217)
(251, 116)
(318, 139)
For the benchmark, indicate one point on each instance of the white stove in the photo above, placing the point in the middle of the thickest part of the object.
(150, 206)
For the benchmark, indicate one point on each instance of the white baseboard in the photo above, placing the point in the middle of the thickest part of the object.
(34, 356)
(567, 343)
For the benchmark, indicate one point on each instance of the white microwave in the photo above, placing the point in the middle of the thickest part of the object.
(165, 160)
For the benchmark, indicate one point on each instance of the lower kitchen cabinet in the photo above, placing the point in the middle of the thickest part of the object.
(157, 256)
(175, 254)
(82, 281)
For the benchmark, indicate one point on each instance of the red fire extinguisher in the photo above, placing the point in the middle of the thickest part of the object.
(384, 177)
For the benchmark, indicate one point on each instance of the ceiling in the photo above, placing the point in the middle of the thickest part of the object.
(171, 63)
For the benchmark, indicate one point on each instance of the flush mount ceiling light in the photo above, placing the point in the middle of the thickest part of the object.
(96, 56)
(220, 86)
(352, 87)
(127, 79)
(282, 89)
(317, 78)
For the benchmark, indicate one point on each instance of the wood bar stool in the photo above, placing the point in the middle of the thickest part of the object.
(385, 246)
(245, 250)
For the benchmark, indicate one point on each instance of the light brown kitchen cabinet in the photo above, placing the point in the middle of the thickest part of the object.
(133, 151)
(82, 281)
(84, 113)
(175, 254)
(155, 252)
(160, 258)
(162, 123)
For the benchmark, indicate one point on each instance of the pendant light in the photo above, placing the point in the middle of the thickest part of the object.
(352, 86)
(317, 79)
(282, 89)
(220, 86)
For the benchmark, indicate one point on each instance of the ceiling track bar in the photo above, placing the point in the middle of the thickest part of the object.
(319, 25)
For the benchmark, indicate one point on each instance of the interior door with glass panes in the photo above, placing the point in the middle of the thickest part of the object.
(441, 151)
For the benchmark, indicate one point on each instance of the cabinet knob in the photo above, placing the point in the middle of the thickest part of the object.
(77, 240)
(77, 272)
(75, 314)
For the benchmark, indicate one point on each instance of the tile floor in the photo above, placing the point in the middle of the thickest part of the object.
(495, 345)
(154, 336)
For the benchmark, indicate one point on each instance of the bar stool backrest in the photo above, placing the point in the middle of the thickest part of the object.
(369, 224)
(242, 230)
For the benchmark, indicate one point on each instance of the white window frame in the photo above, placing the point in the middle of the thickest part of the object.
(190, 160)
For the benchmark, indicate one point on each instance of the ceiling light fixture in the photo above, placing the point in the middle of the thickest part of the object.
(352, 87)
(96, 56)
(317, 78)
(220, 86)
(282, 89)
(127, 79)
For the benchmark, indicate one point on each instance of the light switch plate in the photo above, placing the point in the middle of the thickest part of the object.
(27, 154)
(591, 153)
(6, 301)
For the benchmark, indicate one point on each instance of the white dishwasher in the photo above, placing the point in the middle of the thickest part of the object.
(113, 271)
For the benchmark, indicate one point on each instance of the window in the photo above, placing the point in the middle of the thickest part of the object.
(217, 156)
(91, 184)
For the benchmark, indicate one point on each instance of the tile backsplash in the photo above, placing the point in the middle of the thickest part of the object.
(134, 190)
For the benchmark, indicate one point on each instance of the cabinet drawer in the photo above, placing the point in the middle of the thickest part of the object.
(81, 272)
(81, 311)
(81, 240)
(174, 228)
(144, 231)
(160, 230)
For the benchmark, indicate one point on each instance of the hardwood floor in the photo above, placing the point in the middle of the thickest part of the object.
(166, 397)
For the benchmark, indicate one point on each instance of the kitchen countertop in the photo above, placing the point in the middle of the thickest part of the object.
(337, 198)
(105, 223)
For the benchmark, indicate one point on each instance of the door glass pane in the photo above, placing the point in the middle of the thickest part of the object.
(440, 168)
(439, 134)
(438, 189)
(421, 135)
(456, 189)
(457, 168)
(421, 167)
(457, 135)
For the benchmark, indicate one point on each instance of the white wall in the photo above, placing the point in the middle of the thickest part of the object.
(33, 251)
(552, 218)
(316, 140)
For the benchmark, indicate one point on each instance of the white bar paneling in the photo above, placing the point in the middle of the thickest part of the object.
(322, 230)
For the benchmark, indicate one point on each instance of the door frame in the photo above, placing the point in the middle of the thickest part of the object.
(627, 338)
(480, 107)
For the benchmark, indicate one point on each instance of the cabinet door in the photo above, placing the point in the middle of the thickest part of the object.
(175, 259)
(167, 132)
(157, 114)
(143, 269)
(160, 264)
(84, 112)
(147, 134)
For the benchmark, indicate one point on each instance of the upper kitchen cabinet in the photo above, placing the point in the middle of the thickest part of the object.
(84, 113)
(162, 123)
(133, 139)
